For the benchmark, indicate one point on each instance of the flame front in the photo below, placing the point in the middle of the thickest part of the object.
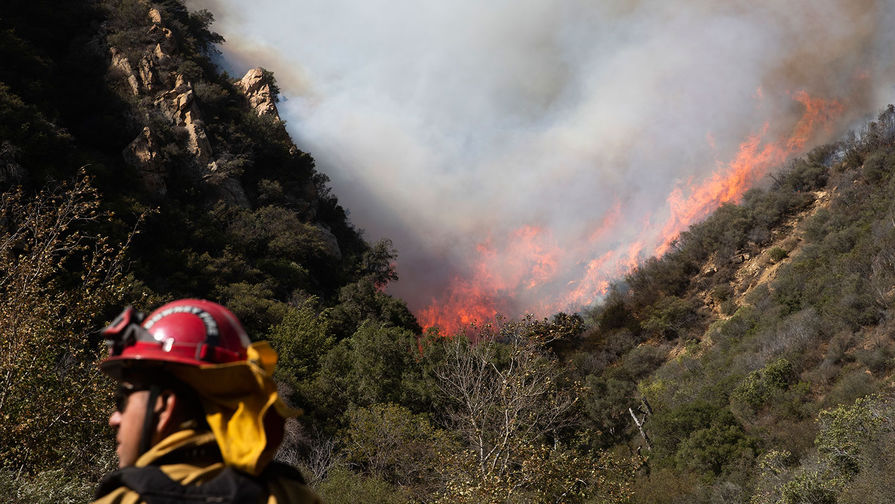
(522, 274)
(527, 260)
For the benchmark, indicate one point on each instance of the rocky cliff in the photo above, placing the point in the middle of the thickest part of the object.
(171, 94)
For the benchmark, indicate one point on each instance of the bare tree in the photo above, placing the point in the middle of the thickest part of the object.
(58, 277)
(505, 399)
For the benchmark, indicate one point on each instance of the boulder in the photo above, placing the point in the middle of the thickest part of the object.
(332, 243)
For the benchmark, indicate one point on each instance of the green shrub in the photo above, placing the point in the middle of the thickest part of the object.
(712, 449)
(846, 430)
(851, 386)
(777, 254)
(760, 385)
(722, 292)
(809, 487)
(670, 427)
(643, 360)
(342, 486)
(59, 280)
(301, 340)
(390, 442)
(878, 166)
(670, 316)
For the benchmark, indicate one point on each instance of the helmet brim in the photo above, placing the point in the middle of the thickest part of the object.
(119, 367)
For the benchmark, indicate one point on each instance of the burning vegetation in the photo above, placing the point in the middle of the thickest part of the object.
(522, 273)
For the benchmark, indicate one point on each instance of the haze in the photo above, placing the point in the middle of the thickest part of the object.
(506, 146)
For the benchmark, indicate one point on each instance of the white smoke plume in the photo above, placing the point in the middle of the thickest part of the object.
(490, 140)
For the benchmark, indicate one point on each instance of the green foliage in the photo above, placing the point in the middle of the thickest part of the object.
(777, 254)
(605, 402)
(268, 77)
(808, 174)
(722, 292)
(364, 301)
(669, 316)
(669, 428)
(878, 166)
(653, 278)
(712, 449)
(742, 323)
(809, 487)
(853, 443)
(761, 385)
(547, 475)
(342, 486)
(846, 430)
(851, 386)
(643, 360)
(377, 364)
(389, 442)
(699, 437)
(60, 280)
(29, 140)
(616, 314)
(301, 340)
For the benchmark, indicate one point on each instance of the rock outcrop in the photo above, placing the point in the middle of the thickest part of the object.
(331, 242)
(259, 90)
(159, 32)
(173, 95)
(178, 105)
(152, 65)
(123, 66)
(143, 154)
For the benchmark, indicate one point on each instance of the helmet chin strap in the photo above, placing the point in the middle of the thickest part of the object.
(149, 420)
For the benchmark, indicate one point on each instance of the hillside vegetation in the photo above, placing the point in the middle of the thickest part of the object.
(750, 364)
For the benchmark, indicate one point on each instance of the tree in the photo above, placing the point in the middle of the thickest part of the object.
(301, 340)
(59, 280)
(506, 398)
(389, 442)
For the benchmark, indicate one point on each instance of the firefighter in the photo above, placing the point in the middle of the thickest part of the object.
(198, 416)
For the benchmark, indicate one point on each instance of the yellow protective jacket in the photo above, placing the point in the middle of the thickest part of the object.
(191, 458)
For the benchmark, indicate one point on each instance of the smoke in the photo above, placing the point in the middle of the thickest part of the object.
(508, 147)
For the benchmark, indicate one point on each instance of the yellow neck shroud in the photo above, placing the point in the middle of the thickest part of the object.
(242, 406)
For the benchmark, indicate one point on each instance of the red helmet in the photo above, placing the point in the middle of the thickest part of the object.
(193, 332)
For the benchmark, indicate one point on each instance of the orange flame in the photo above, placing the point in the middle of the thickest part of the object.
(607, 223)
(752, 162)
(529, 259)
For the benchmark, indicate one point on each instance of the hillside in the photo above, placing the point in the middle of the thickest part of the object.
(133, 172)
(752, 340)
(752, 363)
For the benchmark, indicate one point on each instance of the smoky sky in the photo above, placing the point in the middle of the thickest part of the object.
(448, 126)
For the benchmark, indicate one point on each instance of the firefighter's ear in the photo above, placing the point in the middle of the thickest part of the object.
(166, 409)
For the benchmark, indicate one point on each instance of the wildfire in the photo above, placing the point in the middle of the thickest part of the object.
(753, 161)
(608, 223)
(529, 259)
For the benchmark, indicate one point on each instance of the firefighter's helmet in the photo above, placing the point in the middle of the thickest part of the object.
(192, 332)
